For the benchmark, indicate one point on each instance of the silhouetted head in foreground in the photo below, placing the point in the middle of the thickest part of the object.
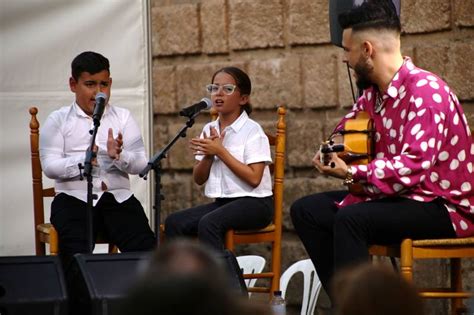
(374, 290)
(186, 278)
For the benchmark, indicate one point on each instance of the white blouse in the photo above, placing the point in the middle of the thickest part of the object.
(247, 142)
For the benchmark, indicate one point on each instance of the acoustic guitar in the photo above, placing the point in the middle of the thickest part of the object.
(353, 144)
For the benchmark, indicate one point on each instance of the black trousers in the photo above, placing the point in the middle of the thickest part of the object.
(336, 238)
(123, 224)
(211, 221)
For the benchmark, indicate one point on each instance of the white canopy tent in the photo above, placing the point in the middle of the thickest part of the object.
(38, 40)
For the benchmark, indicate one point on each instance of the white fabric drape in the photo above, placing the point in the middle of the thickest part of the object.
(38, 40)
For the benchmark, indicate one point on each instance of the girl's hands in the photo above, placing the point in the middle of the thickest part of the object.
(208, 145)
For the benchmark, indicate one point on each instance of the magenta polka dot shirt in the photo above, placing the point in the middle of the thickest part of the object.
(423, 146)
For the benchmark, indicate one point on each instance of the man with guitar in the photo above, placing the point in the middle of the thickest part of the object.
(419, 182)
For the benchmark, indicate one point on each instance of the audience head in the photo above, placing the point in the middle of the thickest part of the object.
(373, 290)
(186, 278)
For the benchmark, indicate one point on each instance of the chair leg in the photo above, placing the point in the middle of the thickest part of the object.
(40, 248)
(53, 242)
(406, 259)
(162, 234)
(113, 249)
(456, 284)
(276, 268)
(229, 240)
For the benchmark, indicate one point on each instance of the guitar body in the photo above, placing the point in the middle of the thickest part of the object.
(357, 138)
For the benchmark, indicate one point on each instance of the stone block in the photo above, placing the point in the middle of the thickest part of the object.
(215, 32)
(308, 22)
(435, 15)
(175, 30)
(176, 189)
(164, 89)
(463, 12)
(468, 108)
(180, 157)
(344, 93)
(197, 192)
(275, 82)
(160, 137)
(191, 80)
(433, 58)
(468, 274)
(303, 139)
(408, 51)
(460, 69)
(255, 24)
(319, 79)
(452, 62)
(432, 273)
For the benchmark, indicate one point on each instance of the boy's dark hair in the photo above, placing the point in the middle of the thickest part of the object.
(89, 61)
(371, 14)
(242, 80)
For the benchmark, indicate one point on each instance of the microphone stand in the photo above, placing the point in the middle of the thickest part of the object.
(87, 171)
(155, 164)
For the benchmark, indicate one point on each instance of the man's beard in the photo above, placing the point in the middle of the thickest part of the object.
(363, 71)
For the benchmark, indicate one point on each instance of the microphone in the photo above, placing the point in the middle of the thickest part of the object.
(190, 111)
(99, 108)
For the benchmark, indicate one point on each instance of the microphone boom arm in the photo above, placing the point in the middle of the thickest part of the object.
(155, 164)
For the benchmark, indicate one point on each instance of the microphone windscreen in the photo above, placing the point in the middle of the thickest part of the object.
(99, 96)
(208, 102)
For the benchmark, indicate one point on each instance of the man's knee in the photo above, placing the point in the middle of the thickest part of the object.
(349, 216)
(299, 209)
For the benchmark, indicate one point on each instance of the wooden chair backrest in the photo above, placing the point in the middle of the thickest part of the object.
(39, 193)
(278, 168)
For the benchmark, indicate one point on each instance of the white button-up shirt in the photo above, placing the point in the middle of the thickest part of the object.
(247, 142)
(64, 139)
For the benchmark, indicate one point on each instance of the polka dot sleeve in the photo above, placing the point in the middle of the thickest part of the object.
(419, 150)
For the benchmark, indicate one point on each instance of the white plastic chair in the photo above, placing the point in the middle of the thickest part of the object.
(311, 284)
(251, 264)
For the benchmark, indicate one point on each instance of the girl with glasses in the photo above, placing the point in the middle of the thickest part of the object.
(232, 155)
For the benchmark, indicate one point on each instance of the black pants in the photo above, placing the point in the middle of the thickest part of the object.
(211, 221)
(336, 238)
(123, 224)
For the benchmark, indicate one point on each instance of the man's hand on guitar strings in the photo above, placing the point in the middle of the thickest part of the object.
(336, 166)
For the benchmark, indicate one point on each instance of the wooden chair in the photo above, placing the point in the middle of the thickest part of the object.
(454, 249)
(271, 233)
(44, 232)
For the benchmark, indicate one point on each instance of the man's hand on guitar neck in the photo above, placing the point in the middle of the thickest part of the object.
(336, 166)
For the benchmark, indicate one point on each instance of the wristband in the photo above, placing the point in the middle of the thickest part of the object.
(349, 180)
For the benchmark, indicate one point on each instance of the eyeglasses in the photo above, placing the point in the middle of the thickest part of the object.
(213, 89)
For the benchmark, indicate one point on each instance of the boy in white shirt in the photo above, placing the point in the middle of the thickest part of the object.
(64, 139)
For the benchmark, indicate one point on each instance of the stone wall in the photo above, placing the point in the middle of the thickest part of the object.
(284, 45)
